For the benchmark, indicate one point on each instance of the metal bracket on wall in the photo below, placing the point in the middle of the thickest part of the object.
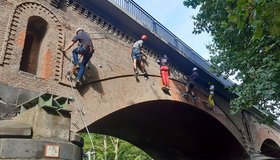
(48, 101)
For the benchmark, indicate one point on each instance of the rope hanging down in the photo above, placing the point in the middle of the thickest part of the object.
(77, 102)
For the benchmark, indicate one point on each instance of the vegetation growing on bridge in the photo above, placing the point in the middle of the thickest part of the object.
(246, 43)
(109, 148)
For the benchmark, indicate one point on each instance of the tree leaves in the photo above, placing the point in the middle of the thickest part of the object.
(246, 36)
(111, 148)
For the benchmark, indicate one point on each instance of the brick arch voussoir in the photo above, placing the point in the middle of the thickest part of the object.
(17, 22)
(264, 134)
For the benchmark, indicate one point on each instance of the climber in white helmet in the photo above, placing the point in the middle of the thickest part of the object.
(85, 48)
(190, 84)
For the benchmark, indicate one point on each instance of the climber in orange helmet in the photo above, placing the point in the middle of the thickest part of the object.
(136, 55)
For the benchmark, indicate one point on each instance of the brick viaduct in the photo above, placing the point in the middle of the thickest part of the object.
(166, 126)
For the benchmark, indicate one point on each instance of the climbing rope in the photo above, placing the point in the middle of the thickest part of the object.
(77, 102)
(83, 121)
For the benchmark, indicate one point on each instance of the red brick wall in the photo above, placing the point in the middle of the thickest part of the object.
(111, 59)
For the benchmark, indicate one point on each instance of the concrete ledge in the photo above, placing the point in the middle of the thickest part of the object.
(10, 128)
(76, 139)
(46, 123)
(35, 149)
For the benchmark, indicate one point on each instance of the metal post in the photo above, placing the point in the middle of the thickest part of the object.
(87, 156)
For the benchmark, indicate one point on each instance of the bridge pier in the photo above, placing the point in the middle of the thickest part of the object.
(40, 131)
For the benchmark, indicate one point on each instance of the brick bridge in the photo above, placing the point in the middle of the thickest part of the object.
(166, 126)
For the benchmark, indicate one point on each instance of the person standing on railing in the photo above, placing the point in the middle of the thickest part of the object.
(164, 71)
(136, 55)
(191, 81)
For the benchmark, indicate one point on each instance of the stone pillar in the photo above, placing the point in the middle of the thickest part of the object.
(40, 132)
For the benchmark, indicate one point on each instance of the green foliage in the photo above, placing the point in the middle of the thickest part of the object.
(111, 148)
(246, 36)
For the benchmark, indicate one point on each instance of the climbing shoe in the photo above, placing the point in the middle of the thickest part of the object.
(146, 76)
(185, 95)
(78, 83)
(193, 98)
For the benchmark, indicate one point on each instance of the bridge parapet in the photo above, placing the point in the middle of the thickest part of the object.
(146, 20)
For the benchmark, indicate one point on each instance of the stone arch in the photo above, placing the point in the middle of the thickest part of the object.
(191, 134)
(264, 134)
(15, 36)
(149, 91)
(270, 148)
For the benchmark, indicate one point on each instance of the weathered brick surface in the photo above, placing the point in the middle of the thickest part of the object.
(5, 9)
(111, 59)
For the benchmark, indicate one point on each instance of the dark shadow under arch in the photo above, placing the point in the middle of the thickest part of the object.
(270, 148)
(171, 130)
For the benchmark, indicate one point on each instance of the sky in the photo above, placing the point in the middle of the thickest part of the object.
(177, 18)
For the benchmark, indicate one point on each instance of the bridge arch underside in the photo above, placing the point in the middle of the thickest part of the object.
(270, 148)
(171, 130)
